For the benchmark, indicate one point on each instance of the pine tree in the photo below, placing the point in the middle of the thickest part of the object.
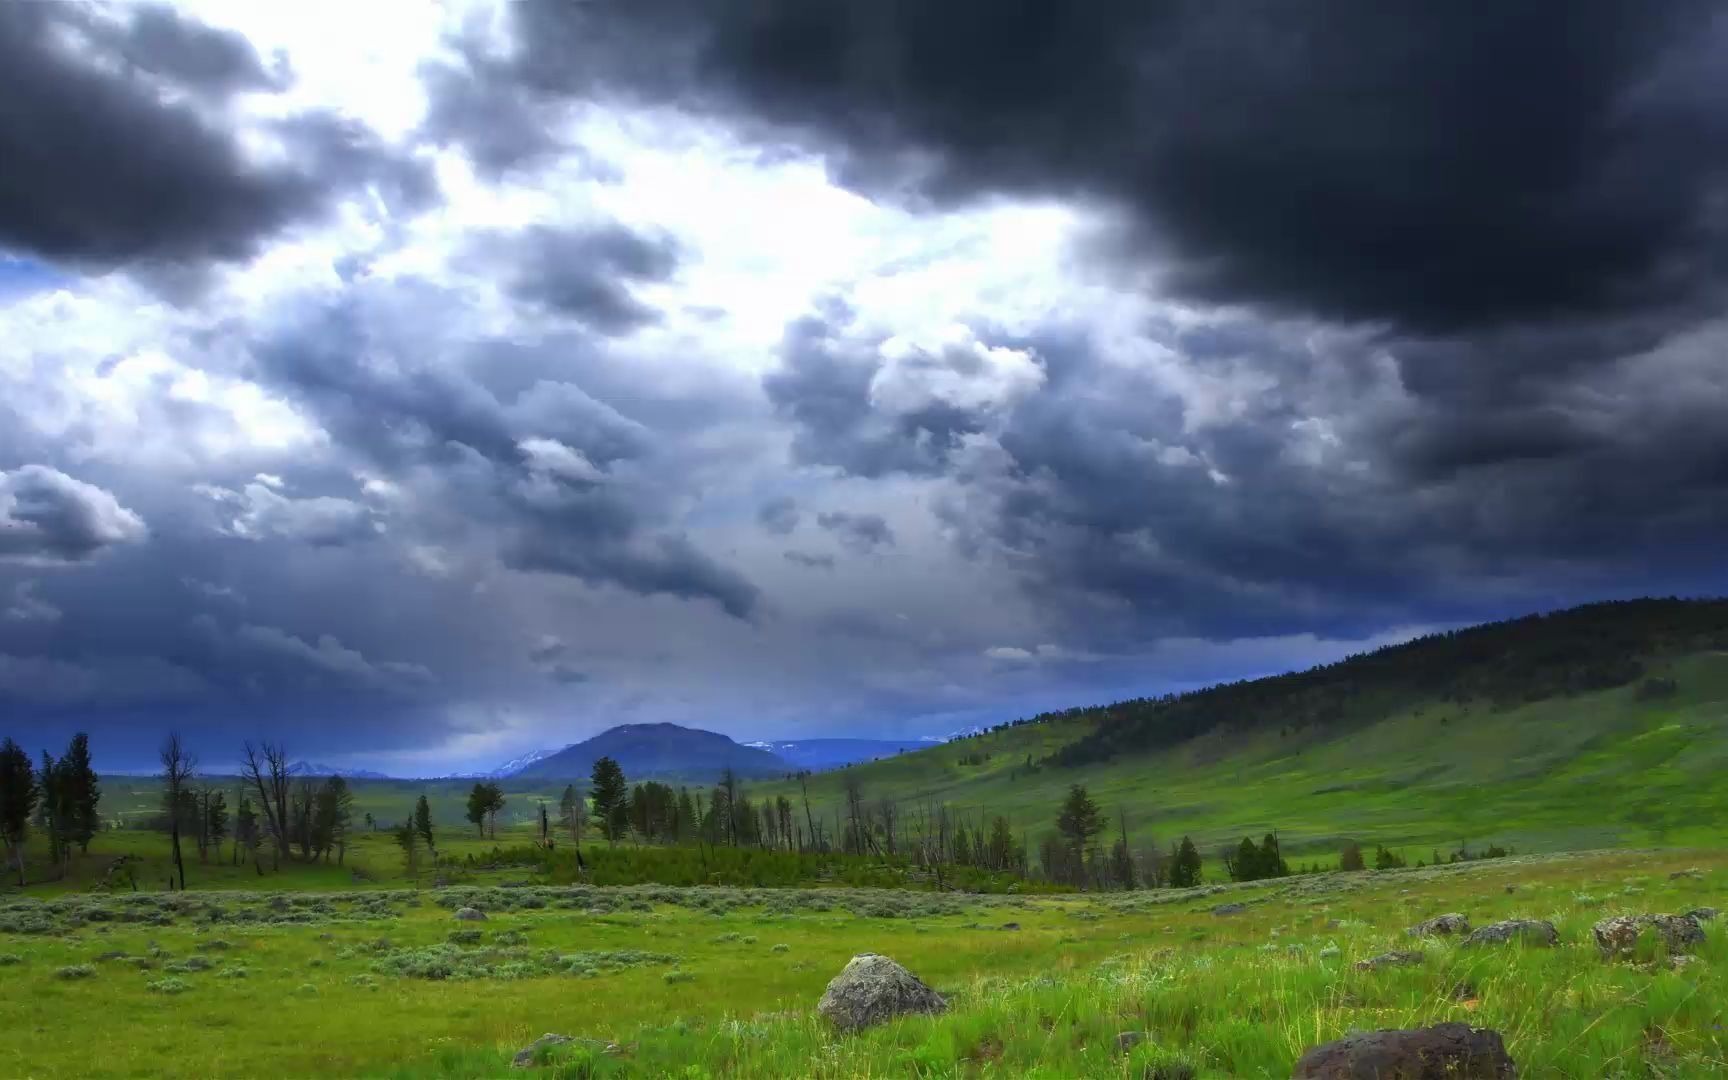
(17, 799)
(423, 825)
(53, 806)
(409, 841)
(1351, 857)
(1185, 866)
(215, 824)
(1079, 821)
(83, 793)
(610, 794)
(479, 802)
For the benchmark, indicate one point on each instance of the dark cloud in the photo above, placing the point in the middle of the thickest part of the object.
(1416, 164)
(779, 516)
(47, 516)
(824, 386)
(585, 273)
(809, 561)
(105, 169)
(537, 466)
(862, 533)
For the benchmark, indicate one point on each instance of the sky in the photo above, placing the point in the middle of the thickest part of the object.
(421, 385)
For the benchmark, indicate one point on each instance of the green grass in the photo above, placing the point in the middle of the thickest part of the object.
(1593, 770)
(694, 982)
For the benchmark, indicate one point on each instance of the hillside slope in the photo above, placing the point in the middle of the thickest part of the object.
(663, 751)
(1615, 733)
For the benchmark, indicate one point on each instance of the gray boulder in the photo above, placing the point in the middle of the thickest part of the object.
(468, 914)
(1395, 958)
(1526, 931)
(871, 989)
(1703, 914)
(1618, 936)
(526, 1056)
(1441, 926)
(1229, 909)
(1441, 1052)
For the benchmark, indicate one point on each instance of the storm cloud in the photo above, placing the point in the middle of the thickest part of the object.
(454, 385)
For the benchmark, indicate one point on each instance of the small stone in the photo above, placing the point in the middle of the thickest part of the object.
(1511, 888)
(1693, 873)
(1527, 931)
(1229, 909)
(1618, 936)
(1442, 1052)
(1396, 958)
(468, 914)
(1441, 926)
(1010, 926)
(525, 1057)
(1128, 1040)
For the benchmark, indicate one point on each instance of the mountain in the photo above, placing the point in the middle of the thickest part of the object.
(658, 750)
(517, 765)
(818, 754)
(318, 768)
(1598, 726)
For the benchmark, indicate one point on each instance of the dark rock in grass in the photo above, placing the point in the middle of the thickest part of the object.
(1526, 931)
(1010, 926)
(1693, 873)
(1511, 888)
(1229, 909)
(1441, 926)
(469, 914)
(1395, 958)
(1618, 936)
(1703, 914)
(871, 989)
(529, 1056)
(1128, 1040)
(1441, 1052)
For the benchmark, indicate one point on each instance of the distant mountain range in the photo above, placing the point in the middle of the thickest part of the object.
(657, 750)
(833, 753)
(318, 768)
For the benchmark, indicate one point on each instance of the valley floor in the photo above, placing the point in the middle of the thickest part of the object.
(718, 982)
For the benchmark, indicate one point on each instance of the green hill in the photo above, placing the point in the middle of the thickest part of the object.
(1605, 725)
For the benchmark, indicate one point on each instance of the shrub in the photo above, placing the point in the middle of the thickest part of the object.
(169, 985)
(75, 971)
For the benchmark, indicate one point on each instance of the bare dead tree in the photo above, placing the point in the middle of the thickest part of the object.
(270, 777)
(178, 765)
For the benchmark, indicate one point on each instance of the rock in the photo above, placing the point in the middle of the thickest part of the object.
(1618, 936)
(468, 914)
(1693, 873)
(1527, 931)
(1703, 914)
(871, 989)
(1395, 958)
(1441, 926)
(524, 1058)
(1128, 1040)
(1511, 888)
(1010, 926)
(1229, 909)
(1442, 1052)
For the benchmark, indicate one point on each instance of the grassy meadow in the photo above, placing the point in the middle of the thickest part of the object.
(722, 982)
(1602, 769)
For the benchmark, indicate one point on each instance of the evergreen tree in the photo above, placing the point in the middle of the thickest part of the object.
(494, 807)
(423, 825)
(1185, 866)
(82, 791)
(1079, 821)
(610, 793)
(17, 799)
(409, 841)
(479, 803)
(215, 815)
(1351, 857)
(53, 805)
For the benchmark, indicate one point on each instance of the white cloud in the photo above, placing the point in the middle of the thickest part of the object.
(260, 512)
(48, 517)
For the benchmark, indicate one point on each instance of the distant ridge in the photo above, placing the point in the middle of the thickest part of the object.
(833, 753)
(657, 750)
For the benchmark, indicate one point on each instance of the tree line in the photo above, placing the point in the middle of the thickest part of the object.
(62, 798)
